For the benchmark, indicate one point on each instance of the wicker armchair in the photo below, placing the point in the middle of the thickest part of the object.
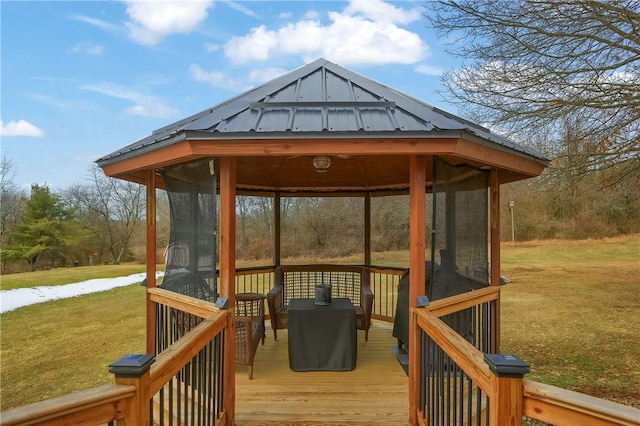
(249, 316)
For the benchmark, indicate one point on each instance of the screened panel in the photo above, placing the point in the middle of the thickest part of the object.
(190, 256)
(459, 256)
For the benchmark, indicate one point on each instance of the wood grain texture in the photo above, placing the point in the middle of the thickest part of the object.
(375, 393)
(90, 407)
(564, 407)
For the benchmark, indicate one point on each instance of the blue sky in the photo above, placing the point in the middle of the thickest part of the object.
(80, 79)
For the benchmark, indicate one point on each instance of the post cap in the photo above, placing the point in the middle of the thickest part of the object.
(133, 365)
(506, 365)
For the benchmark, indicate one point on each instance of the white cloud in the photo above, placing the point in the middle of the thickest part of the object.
(95, 22)
(151, 109)
(234, 82)
(88, 48)
(378, 10)
(144, 105)
(365, 33)
(214, 78)
(19, 128)
(429, 70)
(211, 47)
(262, 75)
(151, 21)
(242, 9)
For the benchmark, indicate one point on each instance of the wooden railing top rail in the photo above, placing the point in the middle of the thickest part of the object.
(176, 356)
(463, 353)
(564, 407)
(94, 406)
(322, 267)
(462, 301)
(181, 302)
(391, 270)
(248, 270)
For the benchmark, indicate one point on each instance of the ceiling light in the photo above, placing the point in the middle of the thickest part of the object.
(321, 163)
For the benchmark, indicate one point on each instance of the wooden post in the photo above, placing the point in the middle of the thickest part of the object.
(227, 275)
(133, 370)
(494, 208)
(151, 260)
(417, 197)
(367, 229)
(277, 226)
(507, 396)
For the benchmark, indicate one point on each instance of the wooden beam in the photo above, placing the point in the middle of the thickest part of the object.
(227, 273)
(324, 145)
(367, 229)
(417, 229)
(472, 150)
(151, 260)
(179, 152)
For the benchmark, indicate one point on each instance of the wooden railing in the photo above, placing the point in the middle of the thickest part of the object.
(187, 381)
(100, 405)
(563, 407)
(457, 386)
(384, 284)
(184, 382)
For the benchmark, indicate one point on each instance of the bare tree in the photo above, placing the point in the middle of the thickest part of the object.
(111, 209)
(11, 200)
(12, 203)
(532, 66)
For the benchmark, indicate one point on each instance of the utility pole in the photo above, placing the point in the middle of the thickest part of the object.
(513, 228)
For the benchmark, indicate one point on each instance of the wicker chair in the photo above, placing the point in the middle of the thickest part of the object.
(249, 316)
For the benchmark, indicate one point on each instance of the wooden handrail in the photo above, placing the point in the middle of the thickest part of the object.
(463, 353)
(176, 356)
(564, 407)
(181, 302)
(463, 301)
(390, 270)
(94, 406)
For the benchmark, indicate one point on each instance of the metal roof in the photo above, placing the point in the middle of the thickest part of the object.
(320, 99)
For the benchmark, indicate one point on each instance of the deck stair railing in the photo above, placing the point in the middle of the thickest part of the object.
(189, 387)
(461, 383)
(182, 384)
(455, 383)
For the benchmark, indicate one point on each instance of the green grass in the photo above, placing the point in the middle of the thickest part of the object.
(54, 348)
(572, 311)
(62, 276)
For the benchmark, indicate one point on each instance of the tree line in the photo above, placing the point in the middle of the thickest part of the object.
(562, 77)
(103, 220)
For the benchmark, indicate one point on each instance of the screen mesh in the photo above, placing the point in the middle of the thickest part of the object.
(460, 243)
(190, 256)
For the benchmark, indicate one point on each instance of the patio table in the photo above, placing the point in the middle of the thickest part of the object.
(322, 337)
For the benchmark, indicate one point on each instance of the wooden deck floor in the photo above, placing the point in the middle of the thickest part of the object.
(375, 393)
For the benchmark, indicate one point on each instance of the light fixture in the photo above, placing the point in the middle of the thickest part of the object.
(321, 163)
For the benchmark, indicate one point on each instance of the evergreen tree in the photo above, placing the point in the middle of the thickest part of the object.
(46, 229)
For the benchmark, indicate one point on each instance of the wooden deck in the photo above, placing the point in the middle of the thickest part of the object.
(375, 393)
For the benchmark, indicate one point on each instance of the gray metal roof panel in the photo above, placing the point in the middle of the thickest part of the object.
(316, 98)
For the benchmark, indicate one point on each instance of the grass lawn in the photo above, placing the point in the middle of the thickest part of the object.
(60, 276)
(572, 311)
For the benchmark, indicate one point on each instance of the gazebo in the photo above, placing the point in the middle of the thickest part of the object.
(324, 130)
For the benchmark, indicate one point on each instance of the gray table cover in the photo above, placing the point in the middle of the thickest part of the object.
(322, 338)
